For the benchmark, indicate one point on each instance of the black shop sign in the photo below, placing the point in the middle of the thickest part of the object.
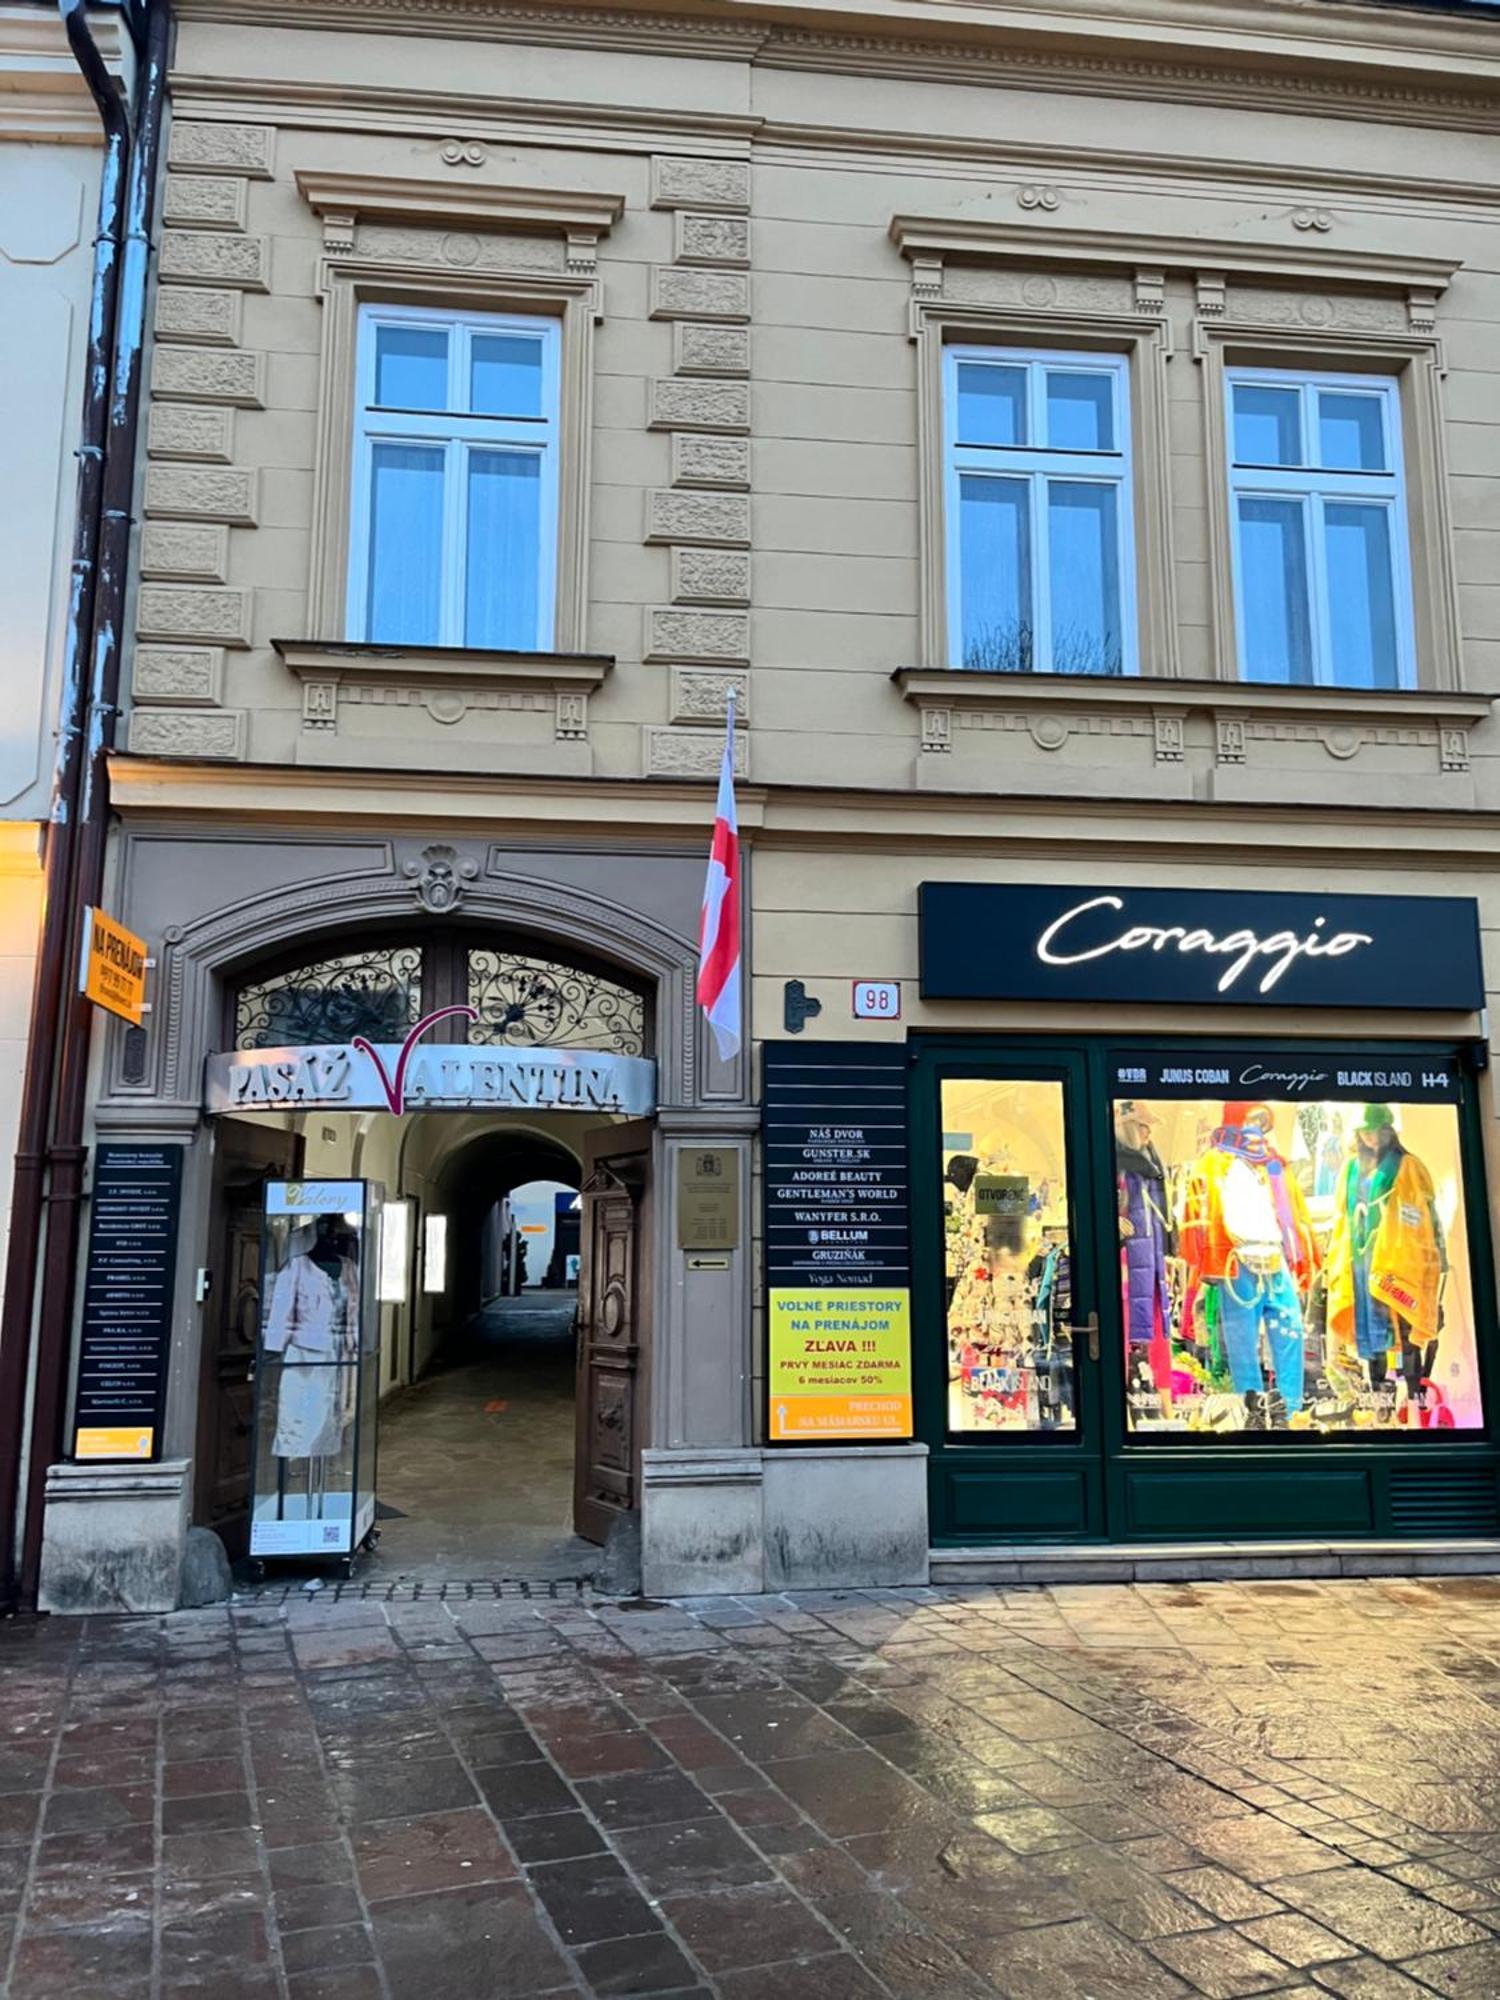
(836, 1181)
(127, 1302)
(1179, 947)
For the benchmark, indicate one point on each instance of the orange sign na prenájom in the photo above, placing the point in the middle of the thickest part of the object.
(840, 1364)
(113, 971)
(127, 1441)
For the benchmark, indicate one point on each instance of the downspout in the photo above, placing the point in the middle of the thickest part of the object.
(60, 835)
(68, 1155)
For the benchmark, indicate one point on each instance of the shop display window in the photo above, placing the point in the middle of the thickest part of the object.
(1009, 1258)
(316, 1370)
(1294, 1258)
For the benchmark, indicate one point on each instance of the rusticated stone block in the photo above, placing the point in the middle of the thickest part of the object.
(679, 293)
(691, 753)
(210, 319)
(191, 676)
(213, 257)
(204, 201)
(202, 493)
(710, 350)
(199, 146)
(711, 576)
(187, 430)
(205, 375)
(697, 635)
(685, 183)
(175, 732)
(722, 518)
(217, 617)
(689, 405)
(712, 239)
(700, 695)
(195, 551)
(710, 461)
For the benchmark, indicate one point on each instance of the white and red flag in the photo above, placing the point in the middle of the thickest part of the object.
(719, 940)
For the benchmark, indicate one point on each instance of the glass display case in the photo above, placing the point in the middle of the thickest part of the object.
(317, 1370)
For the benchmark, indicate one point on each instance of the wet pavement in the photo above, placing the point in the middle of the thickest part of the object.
(1215, 1789)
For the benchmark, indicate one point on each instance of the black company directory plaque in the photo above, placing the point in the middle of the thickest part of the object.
(127, 1302)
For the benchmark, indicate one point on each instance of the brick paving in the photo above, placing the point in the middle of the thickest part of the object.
(1213, 1789)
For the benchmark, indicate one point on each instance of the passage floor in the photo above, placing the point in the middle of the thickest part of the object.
(1148, 1791)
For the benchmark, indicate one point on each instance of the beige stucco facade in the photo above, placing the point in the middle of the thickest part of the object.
(758, 229)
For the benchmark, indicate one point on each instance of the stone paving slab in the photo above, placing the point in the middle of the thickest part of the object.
(1147, 1791)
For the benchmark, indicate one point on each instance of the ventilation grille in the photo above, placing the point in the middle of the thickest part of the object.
(1444, 1500)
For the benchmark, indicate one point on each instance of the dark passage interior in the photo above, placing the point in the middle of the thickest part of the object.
(476, 1455)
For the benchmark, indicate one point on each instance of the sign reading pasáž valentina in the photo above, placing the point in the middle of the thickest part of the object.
(435, 1076)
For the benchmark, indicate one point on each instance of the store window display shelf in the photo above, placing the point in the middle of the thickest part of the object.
(1192, 741)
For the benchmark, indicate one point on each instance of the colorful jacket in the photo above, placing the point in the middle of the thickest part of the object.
(1208, 1242)
(1397, 1225)
(1142, 1183)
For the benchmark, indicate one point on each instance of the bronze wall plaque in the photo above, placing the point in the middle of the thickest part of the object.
(708, 1199)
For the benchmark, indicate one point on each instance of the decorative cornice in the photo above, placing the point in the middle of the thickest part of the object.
(1336, 61)
(442, 666)
(342, 198)
(957, 687)
(930, 237)
(42, 93)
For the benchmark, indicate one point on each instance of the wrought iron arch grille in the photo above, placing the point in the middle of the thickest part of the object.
(538, 1003)
(521, 999)
(375, 993)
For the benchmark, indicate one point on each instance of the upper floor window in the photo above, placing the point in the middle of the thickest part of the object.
(1041, 569)
(1322, 567)
(454, 502)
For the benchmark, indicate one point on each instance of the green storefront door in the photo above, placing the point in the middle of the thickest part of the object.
(1137, 1314)
(1006, 1220)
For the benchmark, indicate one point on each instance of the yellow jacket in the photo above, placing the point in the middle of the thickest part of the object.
(1406, 1255)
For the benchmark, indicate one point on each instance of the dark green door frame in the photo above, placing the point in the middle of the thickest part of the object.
(1099, 1483)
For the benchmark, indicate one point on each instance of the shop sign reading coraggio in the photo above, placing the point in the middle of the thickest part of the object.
(837, 1257)
(983, 941)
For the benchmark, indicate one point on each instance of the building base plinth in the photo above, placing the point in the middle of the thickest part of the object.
(113, 1537)
(1209, 1562)
(738, 1522)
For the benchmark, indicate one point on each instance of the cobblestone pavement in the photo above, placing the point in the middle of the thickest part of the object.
(1213, 1789)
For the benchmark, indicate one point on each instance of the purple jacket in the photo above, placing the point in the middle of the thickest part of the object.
(1143, 1253)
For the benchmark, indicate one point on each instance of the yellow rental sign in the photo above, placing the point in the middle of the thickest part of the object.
(113, 971)
(840, 1364)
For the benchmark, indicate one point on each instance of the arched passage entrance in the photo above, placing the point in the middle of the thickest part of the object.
(501, 1429)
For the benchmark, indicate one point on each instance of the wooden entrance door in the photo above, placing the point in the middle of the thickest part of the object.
(245, 1158)
(614, 1312)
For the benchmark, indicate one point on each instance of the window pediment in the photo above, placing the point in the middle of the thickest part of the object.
(342, 199)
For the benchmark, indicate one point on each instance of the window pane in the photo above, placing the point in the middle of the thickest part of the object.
(1084, 536)
(1351, 432)
(411, 368)
(1361, 595)
(1294, 1267)
(1276, 643)
(991, 404)
(406, 545)
(1009, 1258)
(1080, 412)
(504, 514)
(1267, 425)
(994, 539)
(505, 375)
(376, 993)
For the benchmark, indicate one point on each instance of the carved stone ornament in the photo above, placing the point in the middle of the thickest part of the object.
(463, 153)
(438, 877)
(1037, 194)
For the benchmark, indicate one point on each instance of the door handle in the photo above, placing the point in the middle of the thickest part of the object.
(1089, 1328)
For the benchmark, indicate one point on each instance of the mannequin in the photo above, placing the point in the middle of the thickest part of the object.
(313, 1324)
(1387, 1259)
(1145, 1242)
(1248, 1237)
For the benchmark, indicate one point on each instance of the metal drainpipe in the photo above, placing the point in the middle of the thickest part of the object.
(55, 942)
(67, 1154)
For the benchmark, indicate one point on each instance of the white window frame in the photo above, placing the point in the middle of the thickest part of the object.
(457, 434)
(1036, 464)
(1318, 486)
